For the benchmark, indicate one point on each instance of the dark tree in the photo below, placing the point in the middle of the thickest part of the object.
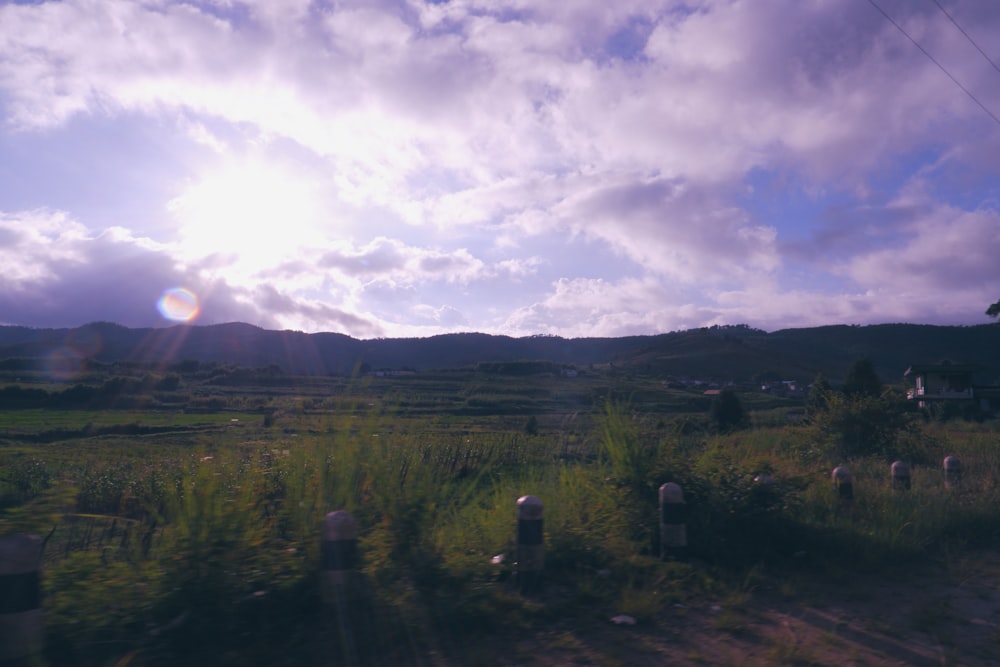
(862, 380)
(994, 310)
(726, 411)
(531, 427)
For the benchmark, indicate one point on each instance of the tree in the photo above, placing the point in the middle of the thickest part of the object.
(531, 427)
(994, 310)
(862, 380)
(726, 411)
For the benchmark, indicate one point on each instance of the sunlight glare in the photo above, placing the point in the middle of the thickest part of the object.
(255, 213)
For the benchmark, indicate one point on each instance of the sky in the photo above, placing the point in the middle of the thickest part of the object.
(405, 168)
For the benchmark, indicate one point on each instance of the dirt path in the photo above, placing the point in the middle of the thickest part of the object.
(946, 613)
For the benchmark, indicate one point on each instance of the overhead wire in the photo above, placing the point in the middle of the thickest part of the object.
(967, 36)
(935, 61)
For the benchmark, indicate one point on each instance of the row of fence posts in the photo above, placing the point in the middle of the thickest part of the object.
(21, 623)
(899, 476)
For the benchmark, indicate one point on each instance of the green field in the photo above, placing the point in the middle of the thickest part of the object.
(187, 528)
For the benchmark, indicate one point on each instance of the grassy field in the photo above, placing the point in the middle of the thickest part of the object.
(193, 534)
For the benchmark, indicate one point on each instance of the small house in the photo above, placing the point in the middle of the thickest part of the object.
(946, 381)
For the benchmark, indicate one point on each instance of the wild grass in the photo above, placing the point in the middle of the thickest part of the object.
(206, 548)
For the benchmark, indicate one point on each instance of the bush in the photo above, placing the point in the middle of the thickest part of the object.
(740, 513)
(819, 391)
(862, 425)
(726, 411)
(531, 427)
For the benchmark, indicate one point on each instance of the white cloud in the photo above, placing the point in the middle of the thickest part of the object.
(950, 254)
(595, 307)
(35, 244)
(441, 317)
(389, 259)
(430, 149)
(58, 273)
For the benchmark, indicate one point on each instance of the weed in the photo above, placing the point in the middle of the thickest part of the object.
(731, 621)
(788, 651)
(932, 616)
(642, 604)
(203, 542)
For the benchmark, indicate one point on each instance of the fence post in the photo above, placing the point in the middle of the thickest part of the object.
(844, 484)
(900, 472)
(952, 472)
(21, 622)
(339, 555)
(673, 529)
(530, 543)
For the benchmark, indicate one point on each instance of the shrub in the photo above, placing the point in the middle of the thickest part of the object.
(863, 425)
(531, 427)
(727, 412)
(819, 391)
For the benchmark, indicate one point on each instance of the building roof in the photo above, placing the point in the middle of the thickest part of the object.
(945, 368)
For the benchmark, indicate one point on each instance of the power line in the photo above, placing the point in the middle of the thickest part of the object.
(939, 65)
(967, 36)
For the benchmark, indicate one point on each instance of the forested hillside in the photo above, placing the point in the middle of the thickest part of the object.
(729, 353)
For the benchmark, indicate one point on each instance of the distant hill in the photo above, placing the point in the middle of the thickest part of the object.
(736, 353)
(739, 353)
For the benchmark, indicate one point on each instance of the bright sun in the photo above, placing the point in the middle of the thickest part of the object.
(256, 213)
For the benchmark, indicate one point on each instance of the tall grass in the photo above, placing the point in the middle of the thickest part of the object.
(212, 553)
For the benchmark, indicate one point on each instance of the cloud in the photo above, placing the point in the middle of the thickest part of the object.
(389, 259)
(948, 253)
(595, 307)
(391, 166)
(685, 232)
(311, 315)
(721, 89)
(943, 270)
(58, 274)
(444, 316)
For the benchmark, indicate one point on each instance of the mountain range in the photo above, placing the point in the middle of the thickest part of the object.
(737, 353)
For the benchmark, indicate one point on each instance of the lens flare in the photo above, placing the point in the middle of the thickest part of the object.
(85, 341)
(178, 304)
(64, 364)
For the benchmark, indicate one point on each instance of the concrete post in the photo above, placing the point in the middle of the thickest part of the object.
(844, 484)
(952, 472)
(900, 472)
(339, 555)
(21, 622)
(530, 543)
(673, 526)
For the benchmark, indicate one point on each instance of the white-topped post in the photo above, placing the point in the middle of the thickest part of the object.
(673, 526)
(21, 622)
(530, 543)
